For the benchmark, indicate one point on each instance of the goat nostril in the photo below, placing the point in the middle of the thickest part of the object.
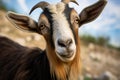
(63, 43)
(69, 42)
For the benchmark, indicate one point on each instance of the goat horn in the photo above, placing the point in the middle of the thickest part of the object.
(42, 5)
(67, 1)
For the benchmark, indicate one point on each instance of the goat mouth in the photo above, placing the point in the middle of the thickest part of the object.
(66, 58)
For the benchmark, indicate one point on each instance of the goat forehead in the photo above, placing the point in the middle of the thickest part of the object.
(56, 8)
(60, 21)
(58, 14)
(58, 17)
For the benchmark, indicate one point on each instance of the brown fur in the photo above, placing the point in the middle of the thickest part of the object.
(21, 63)
(62, 70)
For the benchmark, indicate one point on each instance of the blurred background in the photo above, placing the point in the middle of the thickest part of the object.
(100, 39)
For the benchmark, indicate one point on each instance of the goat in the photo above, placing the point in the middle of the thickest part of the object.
(59, 24)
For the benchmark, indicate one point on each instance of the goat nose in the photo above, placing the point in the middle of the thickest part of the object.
(64, 43)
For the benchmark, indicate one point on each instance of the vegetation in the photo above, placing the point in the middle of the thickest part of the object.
(88, 39)
(114, 47)
(4, 7)
(101, 40)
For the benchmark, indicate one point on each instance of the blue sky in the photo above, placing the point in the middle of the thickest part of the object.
(107, 24)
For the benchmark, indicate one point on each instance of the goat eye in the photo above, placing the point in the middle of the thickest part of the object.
(42, 27)
(77, 20)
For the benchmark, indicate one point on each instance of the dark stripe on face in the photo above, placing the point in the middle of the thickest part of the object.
(67, 12)
(48, 14)
(73, 31)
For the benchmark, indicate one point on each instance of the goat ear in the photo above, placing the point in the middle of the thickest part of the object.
(90, 13)
(22, 22)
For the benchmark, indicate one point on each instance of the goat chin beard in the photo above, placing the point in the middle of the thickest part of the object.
(66, 59)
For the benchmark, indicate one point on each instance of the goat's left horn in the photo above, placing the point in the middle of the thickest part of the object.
(42, 5)
(67, 1)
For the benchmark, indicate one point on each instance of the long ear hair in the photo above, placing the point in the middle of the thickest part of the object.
(63, 70)
(76, 63)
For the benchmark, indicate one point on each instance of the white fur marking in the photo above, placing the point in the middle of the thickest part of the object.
(61, 30)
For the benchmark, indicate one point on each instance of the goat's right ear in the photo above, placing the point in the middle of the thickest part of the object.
(22, 22)
(90, 13)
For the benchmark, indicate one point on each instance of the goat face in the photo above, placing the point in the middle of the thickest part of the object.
(59, 25)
